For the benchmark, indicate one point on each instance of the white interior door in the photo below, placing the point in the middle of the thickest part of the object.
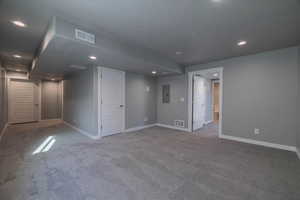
(23, 101)
(113, 101)
(199, 99)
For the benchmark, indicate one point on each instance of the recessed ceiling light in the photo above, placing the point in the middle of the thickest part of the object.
(93, 57)
(154, 72)
(242, 43)
(178, 52)
(18, 70)
(52, 79)
(19, 23)
(17, 56)
(217, 1)
(215, 74)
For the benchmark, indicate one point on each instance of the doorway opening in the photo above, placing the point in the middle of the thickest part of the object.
(205, 102)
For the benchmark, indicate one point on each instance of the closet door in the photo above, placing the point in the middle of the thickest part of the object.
(199, 100)
(23, 101)
(113, 101)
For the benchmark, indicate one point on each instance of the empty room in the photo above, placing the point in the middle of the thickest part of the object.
(150, 100)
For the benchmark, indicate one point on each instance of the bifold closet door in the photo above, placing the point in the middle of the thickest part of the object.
(113, 101)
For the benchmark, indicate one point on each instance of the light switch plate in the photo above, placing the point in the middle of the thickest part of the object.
(147, 89)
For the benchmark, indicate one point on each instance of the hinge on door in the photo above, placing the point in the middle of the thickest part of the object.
(101, 127)
(100, 75)
(101, 101)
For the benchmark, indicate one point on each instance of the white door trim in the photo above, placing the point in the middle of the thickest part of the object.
(99, 72)
(62, 99)
(40, 100)
(190, 98)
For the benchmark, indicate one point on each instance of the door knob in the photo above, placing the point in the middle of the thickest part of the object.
(121, 106)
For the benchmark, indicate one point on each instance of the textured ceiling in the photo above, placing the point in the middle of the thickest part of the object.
(204, 30)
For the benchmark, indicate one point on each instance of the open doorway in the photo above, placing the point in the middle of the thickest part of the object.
(205, 102)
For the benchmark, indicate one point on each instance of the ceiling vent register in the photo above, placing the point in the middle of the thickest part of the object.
(84, 36)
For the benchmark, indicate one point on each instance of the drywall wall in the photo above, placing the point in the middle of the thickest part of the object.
(298, 105)
(260, 91)
(51, 100)
(208, 102)
(176, 109)
(140, 100)
(80, 97)
(3, 101)
(16, 75)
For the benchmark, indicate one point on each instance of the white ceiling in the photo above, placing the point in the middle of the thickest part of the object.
(204, 30)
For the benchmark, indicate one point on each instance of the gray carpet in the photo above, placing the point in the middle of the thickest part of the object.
(152, 164)
(208, 130)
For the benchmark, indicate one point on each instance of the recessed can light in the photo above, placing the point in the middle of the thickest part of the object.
(215, 74)
(93, 57)
(242, 43)
(178, 52)
(19, 23)
(154, 72)
(18, 70)
(17, 56)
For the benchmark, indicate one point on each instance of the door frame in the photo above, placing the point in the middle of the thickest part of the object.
(99, 91)
(190, 97)
(9, 79)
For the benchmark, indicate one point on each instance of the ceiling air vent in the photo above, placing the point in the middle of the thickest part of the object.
(84, 36)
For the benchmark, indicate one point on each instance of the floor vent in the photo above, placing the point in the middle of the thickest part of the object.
(179, 123)
(84, 36)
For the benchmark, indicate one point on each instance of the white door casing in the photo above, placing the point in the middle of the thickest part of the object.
(23, 101)
(199, 102)
(112, 109)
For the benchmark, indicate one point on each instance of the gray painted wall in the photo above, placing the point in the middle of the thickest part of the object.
(3, 101)
(176, 109)
(51, 100)
(260, 92)
(81, 101)
(140, 100)
(209, 110)
(298, 106)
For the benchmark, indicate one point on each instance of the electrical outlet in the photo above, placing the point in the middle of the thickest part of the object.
(256, 131)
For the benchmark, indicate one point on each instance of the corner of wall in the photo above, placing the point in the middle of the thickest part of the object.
(298, 106)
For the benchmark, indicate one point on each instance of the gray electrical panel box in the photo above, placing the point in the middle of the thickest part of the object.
(166, 93)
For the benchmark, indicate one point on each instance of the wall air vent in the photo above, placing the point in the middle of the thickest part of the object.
(84, 36)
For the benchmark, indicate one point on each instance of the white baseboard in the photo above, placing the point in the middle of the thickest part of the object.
(172, 127)
(261, 143)
(82, 131)
(3, 130)
(298, 152)
(50, 120)
(139, 128)
(208, 122)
